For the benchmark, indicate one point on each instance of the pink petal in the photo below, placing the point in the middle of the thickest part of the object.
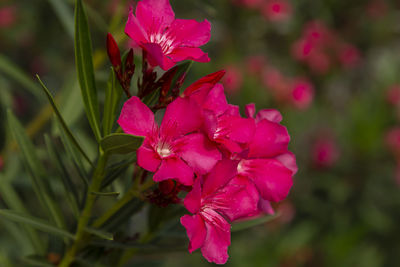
(147, 158)
(136, 118)
(204, 84)
(215, 247)
(270, 139)
(184, 115)
(250, 110)
(272, 179)
(265, 206)
(189, 53)
(190, 33)
(233, 110)
(192, 200)
(216, 100)
(156, 56)
(174, 168)
(155, 15)
(269, 114)
(219, 176)
(198, 152)
(237, 129)
(135, 30)
(289, 161)
(196, 231)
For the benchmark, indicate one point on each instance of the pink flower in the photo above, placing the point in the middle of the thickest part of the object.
(7, 16)
(349, 55)
(392, 140)
(255, 65)
(165, 39)
(393, 95)
(325, 152)
(233, 79)
(302, 93)
(277, 10)
(215, 201)
(175, 150)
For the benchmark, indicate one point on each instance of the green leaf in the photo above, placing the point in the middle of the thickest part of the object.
(183, 69)
(121, 143)
(100, 233)
(106, 194)
(35, 223)
(239, 226)
(19, 76)
(85, 70)
(36, 169)
(62, 121)
(65, 15)
(69, 187)
(116, 170)
(113, 96)
(37, 261)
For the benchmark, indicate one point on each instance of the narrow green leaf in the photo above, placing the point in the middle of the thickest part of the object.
(85, 70)
(183, 69)
(36, 169)
(19, 76)
(62, 121)
(106, 194)
(35, 222)
(239, 226)
(113, 96)
(116, 170)
(100, 233)
(121, 143)
(69, 187)
(37, 261)
(65, 15)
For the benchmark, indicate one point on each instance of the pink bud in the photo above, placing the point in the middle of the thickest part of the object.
(113, 51)
(302, 93)
(277, 10)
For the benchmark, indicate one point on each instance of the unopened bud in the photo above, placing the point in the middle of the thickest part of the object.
(113, 51)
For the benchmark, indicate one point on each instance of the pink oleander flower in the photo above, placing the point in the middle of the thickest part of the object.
(325, 152)
(216, 201)
(7, 16)
(277, 10)
(349, 56)
(302, 94)
(165, 39)
(233, 79)
(175, 149)
(393, 95)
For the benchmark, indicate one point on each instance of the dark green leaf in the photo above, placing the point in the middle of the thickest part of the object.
(183, 69)
(106, 194)
(121, 143)
(122, 215)
(113, 96)
(62, 121)
(37, 261)
(36, 169)
(117, 170)
(35, 223)
(85, 70)
(100, 233)
(254, 222)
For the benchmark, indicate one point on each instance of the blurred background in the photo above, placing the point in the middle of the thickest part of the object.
(332, 68)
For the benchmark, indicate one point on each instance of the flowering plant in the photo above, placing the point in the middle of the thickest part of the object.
(224, 168)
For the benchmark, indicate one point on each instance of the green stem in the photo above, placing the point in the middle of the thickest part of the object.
(83, 222)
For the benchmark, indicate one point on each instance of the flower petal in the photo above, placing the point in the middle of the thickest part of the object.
(272, 179)
(136, 118)
(216, 100)
(190, 33)
(135, 30)
(183, 115)
(269, 114)
(250, 110)
(215, 247)
(147, 158)
(155, 15)
(289, 161)
(198, 152)
(219, 176)
(188, 53)
(192, 200)
(195, 229)
(156, 57)
(270, 139)
(204, 84)
(174, 168)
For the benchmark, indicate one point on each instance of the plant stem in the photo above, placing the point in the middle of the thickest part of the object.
(83, 222)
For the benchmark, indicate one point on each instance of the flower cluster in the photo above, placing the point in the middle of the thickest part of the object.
(319, 47)
(231, 166)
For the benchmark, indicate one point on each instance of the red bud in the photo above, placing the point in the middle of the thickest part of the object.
(113, 51)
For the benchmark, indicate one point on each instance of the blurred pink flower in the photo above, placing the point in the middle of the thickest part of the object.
(349, 55)
(1, 163)
(393, 95)
(277, 10)
(302, 93)
(392, 140)
(165, 39)
(325, 152)
(8, 16)
(255, 64)
(233, 79)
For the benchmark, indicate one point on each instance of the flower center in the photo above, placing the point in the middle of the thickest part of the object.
(164, 152)
(163, 40)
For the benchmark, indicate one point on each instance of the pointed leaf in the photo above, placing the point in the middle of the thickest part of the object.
(121, 143)
(239, 226)
(106, 194)
(84, 65)
(35, 222)
(36, 169)
(62, 121)
(100, 233)
(113, 96)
